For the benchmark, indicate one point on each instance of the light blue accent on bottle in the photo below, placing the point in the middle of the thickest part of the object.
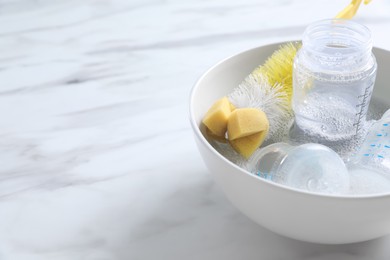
(374, 152)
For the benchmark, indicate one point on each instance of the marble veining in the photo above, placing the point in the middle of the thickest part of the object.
(97, 156)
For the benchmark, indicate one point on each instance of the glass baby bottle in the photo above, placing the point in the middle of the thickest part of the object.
(333, 79)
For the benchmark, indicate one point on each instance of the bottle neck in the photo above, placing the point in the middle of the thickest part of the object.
(338, 43)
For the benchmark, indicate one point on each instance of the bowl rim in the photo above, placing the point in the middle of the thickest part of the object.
(199, 135)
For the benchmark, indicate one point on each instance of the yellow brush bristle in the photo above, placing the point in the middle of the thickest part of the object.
(279, 67)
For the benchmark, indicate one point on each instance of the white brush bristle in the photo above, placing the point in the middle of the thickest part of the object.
(256, 92)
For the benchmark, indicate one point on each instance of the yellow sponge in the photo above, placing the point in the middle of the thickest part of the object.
(246, 121)
(247, 145)
(217, 117)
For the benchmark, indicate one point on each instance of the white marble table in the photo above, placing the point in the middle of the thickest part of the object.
(97, 156)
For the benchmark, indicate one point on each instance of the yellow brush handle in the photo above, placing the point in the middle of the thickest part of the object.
(350, 11)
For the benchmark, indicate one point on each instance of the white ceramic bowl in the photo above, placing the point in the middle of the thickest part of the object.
(287, 211)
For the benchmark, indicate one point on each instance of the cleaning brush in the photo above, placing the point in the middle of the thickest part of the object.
(256, 92)
(278, 68)
(269, 88)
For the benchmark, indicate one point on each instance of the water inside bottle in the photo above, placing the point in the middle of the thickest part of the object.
(334, 107)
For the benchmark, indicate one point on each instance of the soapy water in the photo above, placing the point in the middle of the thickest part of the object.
(365, 181)
(334, 118)
(362, 181)
(229, 153)
(344, 147)
(336, 124)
